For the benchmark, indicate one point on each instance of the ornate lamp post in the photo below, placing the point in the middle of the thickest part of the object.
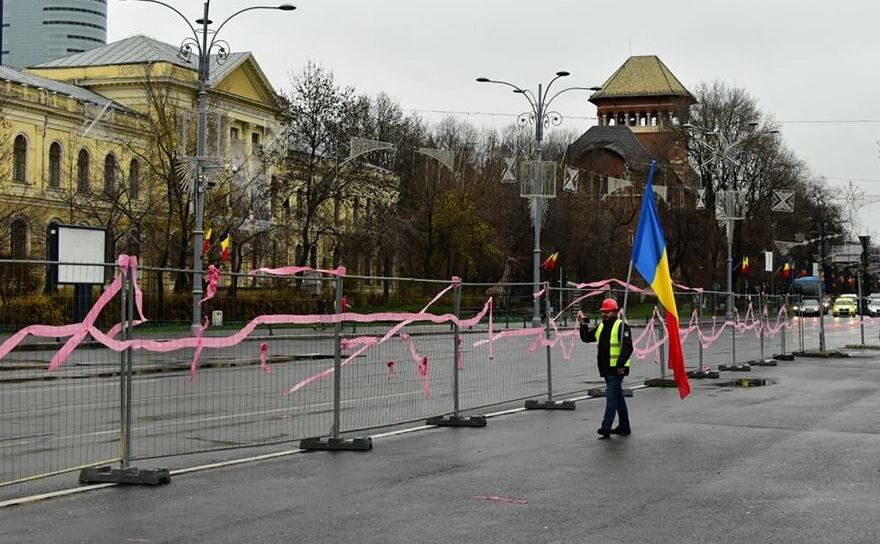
(203, 41)
(724, 150)
(542, 117)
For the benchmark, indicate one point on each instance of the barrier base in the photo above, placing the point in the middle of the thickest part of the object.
(600, 392)
(784, 357)
(827, 354)
(763, 362)
(128, 476)
(660, 382)
(848, 346)
(703, 374)
(744, 367)
(550, 405)
(457, 421)
(337, 444)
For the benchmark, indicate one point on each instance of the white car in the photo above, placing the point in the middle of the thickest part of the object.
(874, 305)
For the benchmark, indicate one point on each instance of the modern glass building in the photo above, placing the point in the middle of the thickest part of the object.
(37, 31)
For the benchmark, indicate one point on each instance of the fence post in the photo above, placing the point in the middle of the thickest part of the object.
(124, 406)
(549, 404)
(456, 420)
(335, 442)
(699, 329)
(125, 474)
(733, 332)
(762, 325)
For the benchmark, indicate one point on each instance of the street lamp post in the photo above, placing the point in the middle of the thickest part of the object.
(542, 117)
(204, 41)
(723, 151)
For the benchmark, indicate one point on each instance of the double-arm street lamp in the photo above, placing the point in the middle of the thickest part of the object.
(542, 117)
(203, 41)
(723, 150)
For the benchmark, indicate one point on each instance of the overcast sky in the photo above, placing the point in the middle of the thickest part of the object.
(810, 64)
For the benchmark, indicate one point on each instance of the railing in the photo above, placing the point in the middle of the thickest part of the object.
(105, 406)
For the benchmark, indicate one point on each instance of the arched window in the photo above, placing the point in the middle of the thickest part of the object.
(19, 156)
(19, 238)
(82, 172)
(134, 179)
(55, 165)
(110, 175)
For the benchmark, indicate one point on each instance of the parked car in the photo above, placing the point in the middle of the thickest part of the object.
(844, 306)
(808, 306)
(874, 305)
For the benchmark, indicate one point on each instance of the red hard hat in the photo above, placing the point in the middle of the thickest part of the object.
(609, 305)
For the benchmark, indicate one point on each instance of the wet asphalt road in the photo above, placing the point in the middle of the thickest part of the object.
(791, 462)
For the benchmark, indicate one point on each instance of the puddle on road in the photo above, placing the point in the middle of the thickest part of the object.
(745, 382)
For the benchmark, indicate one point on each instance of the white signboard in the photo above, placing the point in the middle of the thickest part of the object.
(768, 261)
(815, 269)
(81, 245)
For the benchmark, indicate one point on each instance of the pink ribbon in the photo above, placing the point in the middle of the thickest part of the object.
(197, 356)
(264, 352)
(212, 279)
(293, 270)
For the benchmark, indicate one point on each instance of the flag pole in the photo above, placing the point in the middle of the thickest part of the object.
(626, 289)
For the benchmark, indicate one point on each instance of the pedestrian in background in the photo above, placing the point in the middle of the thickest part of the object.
(613, 351)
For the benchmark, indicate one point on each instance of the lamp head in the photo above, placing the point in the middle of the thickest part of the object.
(562, 73)
(753, 124)
(287, 7)
(595, 88)
(483, 80)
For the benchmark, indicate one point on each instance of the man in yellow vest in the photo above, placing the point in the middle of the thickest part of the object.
(614, 348)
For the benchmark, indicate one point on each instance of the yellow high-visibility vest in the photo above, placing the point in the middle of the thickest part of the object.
(614, 351)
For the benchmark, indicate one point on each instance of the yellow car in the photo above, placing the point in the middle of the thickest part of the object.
(844, 306)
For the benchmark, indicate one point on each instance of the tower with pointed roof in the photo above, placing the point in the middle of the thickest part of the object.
(638, 110)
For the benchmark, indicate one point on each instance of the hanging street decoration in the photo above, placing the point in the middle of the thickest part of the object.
(551, 262)
(446, 157)
(616, 184)
(361, 146)
(570, 180)
(783, 201)
(509, 175)
(661, 193)
(701, 199)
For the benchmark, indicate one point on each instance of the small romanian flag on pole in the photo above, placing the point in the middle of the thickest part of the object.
(552, 262)
(649, 257)
(225, 242)
(206, 245)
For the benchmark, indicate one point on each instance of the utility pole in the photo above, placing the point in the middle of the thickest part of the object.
(822, 286)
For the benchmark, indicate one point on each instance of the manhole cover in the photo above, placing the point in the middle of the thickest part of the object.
(745, 382)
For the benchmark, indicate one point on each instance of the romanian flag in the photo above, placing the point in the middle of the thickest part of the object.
(551, 262)
(786, 270)
(744, 269)
(225, 242)
(649, 257)
(206, 245)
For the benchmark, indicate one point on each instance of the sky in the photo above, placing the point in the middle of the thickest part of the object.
(809, 64)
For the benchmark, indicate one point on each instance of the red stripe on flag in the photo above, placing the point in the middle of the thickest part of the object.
(676, 357)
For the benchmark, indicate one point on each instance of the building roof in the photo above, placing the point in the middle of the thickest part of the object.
(140, 49)
(642, 76)
(73, 91)
(617, 139)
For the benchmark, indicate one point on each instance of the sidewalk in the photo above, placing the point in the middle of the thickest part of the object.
(795, 461)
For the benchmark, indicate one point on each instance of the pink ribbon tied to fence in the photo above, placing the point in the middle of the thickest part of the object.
(422, 374)
(212, 279)
(264, 352)
(197, 356)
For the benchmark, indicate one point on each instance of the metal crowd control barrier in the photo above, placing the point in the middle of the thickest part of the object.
(83, 416)
(550, 403)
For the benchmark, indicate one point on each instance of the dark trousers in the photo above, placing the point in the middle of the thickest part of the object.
(614, 403)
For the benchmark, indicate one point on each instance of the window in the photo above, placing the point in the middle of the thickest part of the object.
(55, 165)
(300, 203)
(256, 148)
(82, 172)
(18, 238)
(110, 175)
(19, 156)
(233, 133)
(134, 179)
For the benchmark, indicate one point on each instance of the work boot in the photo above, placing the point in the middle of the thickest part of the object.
(621, 432)
(605, 432)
